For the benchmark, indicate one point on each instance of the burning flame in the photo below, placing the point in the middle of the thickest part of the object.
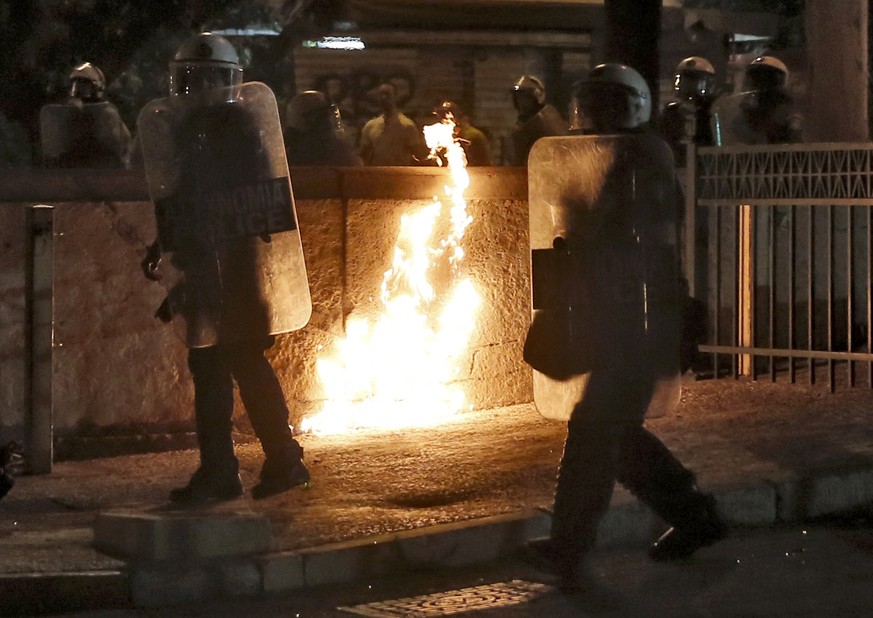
(398, 371)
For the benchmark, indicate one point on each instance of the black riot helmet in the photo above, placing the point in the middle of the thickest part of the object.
(312, 109)
(204, 62)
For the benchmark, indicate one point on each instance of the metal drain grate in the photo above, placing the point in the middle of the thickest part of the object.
(489, 596)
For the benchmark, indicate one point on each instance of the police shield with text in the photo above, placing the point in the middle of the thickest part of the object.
(218, 177)
(604, 337)
(86, 131)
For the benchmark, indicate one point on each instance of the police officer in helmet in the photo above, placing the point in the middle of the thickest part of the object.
(314, 132)
(616, 98)
(218, 142)
(764, 113)
(687, 119)
(86, 131)
(536, 118)
(87, 83)
(770, 111)
(635, 255)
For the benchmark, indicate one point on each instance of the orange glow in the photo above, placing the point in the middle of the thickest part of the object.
(401, 370)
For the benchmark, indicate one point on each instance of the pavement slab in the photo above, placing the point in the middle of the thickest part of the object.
(771, 452)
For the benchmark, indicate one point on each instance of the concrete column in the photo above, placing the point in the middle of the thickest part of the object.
(39, 331)
(836, 95)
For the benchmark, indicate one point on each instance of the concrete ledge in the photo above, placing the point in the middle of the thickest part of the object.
(748, 505)
(181, 536)
(832, 492)
(447, 545)
(322, 182)
(172, 583)
(282, 572)
(168, 582)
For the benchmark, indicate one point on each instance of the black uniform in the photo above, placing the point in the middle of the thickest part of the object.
(625, 293)
(686, 121)
(220, 149)
(547, 121)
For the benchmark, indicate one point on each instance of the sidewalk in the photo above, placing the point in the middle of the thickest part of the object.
(384, 503)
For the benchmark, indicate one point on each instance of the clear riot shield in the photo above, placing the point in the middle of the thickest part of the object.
(110, 132)
(83, 135)
(57, 130)
(729, 120)
(604, 268)
(219, 180)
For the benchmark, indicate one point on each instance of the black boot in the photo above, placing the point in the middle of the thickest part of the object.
(208, 486)
(280, 476)
(702, 529)
(654, 475)
(547, 556)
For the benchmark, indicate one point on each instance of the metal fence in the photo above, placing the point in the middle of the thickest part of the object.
(778, 247)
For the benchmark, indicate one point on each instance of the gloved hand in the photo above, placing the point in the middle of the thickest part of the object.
(151, 261)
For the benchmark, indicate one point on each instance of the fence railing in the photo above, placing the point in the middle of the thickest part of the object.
(778, 247)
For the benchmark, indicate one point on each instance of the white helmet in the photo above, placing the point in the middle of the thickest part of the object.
(87, 82)
(614, 96)
(694, 78)
(766, 73)
(203, 62)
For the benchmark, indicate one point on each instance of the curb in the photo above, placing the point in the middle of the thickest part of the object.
(627, 522)
(171, 582)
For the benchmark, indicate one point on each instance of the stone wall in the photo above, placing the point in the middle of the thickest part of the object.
(116, 368)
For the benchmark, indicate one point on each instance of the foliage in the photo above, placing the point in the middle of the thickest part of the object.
(131, 41)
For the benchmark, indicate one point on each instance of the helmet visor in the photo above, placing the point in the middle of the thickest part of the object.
(693, 84)
(193, 78)
(764, 77)
(606, 105)
(85, 89)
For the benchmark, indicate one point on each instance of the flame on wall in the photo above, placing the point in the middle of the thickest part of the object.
(401, 370)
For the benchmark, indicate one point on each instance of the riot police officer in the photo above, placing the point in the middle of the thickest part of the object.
(221, 242)
(617, 239)
(764, 113)
(86, 131)
(536, 118)
(687, 119)
(314, 133)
